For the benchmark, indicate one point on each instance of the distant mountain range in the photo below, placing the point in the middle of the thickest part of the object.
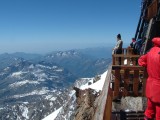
(82, 62)
(38, 84)
(77, 63)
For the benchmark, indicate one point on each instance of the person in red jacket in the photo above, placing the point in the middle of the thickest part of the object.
(151, 61)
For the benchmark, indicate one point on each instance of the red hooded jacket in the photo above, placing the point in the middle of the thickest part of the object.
(151, 61)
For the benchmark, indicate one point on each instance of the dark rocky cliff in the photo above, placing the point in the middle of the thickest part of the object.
(86, 104)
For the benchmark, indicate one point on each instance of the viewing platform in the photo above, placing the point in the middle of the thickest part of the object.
(125, 82)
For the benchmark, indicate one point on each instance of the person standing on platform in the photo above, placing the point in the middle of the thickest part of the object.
(151, 61)
(132, 44)
(118, 48)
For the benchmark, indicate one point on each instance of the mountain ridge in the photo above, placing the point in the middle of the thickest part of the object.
(23, 82)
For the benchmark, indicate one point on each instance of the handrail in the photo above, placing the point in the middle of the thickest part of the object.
(122, 55)
(114, 67)
(126, 58)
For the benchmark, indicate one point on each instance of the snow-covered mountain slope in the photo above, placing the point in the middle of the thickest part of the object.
(97, 85)
(53, 115)
(31, 91)
(67, 111)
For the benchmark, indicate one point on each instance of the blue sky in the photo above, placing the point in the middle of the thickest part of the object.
(41, 26)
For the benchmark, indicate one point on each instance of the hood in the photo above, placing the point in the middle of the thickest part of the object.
(156, 41)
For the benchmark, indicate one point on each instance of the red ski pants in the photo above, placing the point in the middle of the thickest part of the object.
(152, 110)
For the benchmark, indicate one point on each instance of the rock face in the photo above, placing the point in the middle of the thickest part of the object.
(86, 104)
